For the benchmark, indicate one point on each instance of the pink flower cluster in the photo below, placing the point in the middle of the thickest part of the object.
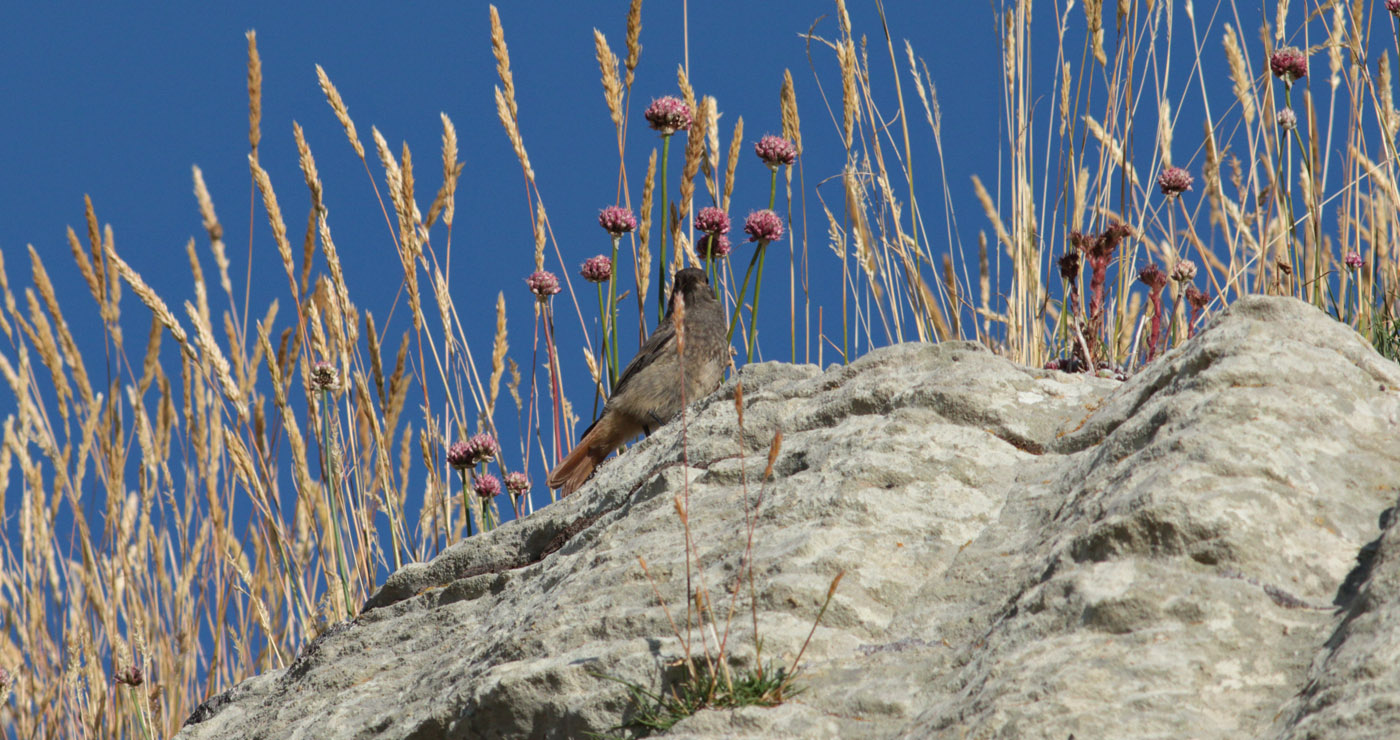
(668, 115)
(1289, 64)
(543, 283)
(1174, 181)
(518, 484)
(617, 220)
(775, 151)
(486, 486)
(596, 269)
(764, 226)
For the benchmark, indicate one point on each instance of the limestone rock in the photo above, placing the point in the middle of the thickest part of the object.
(1206, 551)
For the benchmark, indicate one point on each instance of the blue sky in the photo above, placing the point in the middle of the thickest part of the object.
(118, 103)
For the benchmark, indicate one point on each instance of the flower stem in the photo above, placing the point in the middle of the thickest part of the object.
(329, 475)
(611, 324)
(743, 290)
(467, 501)
(665, 229)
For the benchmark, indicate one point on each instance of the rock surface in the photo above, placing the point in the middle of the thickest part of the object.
(1204, 551)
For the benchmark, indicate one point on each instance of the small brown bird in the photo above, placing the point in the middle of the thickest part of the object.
(648, 393)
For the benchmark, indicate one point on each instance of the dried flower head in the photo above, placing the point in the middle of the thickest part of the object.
(775, 151)
(596, 269)
(712, 220)
(543, 284)
(482, 447)
(324, 376)
(764, 226)
(132, 675)
(486, 486)
(1289, 64)
(714, 246)
(617, 220)
(1195, 298)
(1184, 271)
(459, 456)
(1174, 181)
(1288, 120)
(1353, 259)
(517, 484)
(1152, 276)
(1393, 6)
(1069, 266)
(668, 115)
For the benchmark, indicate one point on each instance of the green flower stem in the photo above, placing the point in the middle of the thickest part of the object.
(665, 229)
(612, 317)
(743, 290)
(467, 501)
(603, 316)
(758, 281)
(753, 312)
(329, 475)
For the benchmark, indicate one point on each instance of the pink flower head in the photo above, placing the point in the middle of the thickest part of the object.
(482, 447)
(1289, 64)
(712, 220)
(459, 456)
(1152, 276)
(518, 484)
(775, 151)
(668, 115)
(486, 486)
(764, 226)
(1174, 181)
(714, 246)
(1353, 259)
(596, 269)
(132, 675)
(617, 220)
(323, 376)
(1393, 6)
(1184, 271)
(1196, 298)
(543, 283)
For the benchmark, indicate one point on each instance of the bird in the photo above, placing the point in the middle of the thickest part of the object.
(648, 393)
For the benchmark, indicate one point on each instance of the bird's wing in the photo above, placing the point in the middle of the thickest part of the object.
(656, 344)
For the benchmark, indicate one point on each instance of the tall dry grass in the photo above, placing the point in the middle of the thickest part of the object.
(191, 509)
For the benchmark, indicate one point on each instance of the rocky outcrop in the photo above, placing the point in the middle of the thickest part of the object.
(1206, 550)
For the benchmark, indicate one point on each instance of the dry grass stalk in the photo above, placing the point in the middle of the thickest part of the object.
(445, 203)
(694, 153)
(254, 92)
(498, 356)
(687, 92)
(342, 113)
(153, 301)
(642, 259)
(1239, 74)
(274, 217)
(1093, 16)
(513, 133)
(846, 58)
(213, 228)
(308, 167)
(792, 123)
(612, 86)
(736, 144)
(634, 34)
(541, 230)
(502, 54)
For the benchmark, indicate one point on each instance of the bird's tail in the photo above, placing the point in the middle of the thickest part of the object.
(573, 471)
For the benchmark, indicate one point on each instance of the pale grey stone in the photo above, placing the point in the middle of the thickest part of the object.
(1204, 551)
